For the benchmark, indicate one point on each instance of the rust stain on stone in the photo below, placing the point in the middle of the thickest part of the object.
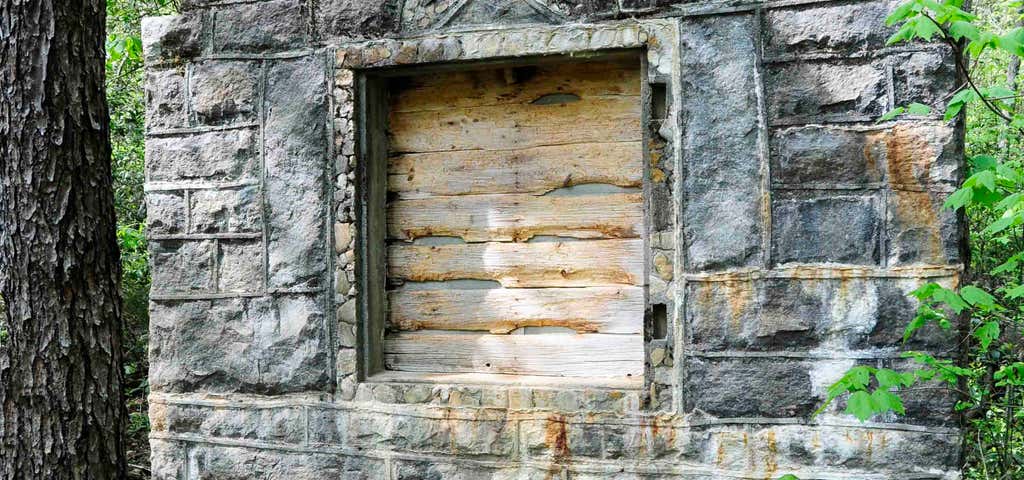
(909, 157)
(771, 461)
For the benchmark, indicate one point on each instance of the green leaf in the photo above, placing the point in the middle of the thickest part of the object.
(1002, 224)
(788, 476)
(984, 162)
(950, 298)
(892, 379)
(1015, 292)
(914, 325)
(900, 14)
(884, 401)
(860, 405)
(919, 109)
(959, 199)
(891, 114)
(987, 333)
(977, 297)
(961, 29)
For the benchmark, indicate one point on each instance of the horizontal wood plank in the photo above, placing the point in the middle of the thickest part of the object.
(523, 265)
(517, 217)
(564, 355)
(444, 91)
(517, 126)
(585, 310)
(528, 170)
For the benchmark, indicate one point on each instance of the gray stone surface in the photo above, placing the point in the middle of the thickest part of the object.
(224, 92)
(235, 210)
(296, 143)
(229, 156)
(165, 99)
(826, 228)
(721, 215)
(768, 141)
(261, 26)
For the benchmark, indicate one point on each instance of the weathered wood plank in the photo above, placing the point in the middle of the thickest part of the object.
(619, 383)
(517, 217)
(586, 310)
(444, 91)
(523, 265)
(529, 170)
(516, 126)
(564, 355)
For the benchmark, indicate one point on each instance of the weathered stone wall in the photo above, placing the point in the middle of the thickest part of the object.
(787, 229)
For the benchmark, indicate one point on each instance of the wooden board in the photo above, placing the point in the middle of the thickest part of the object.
(445, 91)
(528, 170)
(517, 217)
(591, 355)
(586, 310)
(517, 126)
(523, 265)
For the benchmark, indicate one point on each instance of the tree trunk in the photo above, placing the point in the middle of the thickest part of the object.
(61, 409)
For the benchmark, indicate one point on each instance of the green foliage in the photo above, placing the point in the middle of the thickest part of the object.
(988, 44)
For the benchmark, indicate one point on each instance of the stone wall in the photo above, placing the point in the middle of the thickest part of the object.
(786, 229)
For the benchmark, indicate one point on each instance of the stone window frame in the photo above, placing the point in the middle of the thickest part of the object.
(354, 96)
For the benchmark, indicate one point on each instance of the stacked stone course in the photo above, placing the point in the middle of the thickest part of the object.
(786, 228)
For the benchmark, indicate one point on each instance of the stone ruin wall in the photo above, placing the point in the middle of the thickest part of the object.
(787, 228)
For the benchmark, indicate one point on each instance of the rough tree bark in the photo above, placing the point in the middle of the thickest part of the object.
(61, 413)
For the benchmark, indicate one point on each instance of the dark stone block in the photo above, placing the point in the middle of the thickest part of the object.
(837, 28)
(817, 91)
(586, 9)
(832, 229)
(722, 229)
(925, 77)
(355, 19)
(730, 388)
(826, 155)
(260, 27)
(896, 309)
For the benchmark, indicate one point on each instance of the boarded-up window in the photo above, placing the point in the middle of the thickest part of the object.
(514, 221)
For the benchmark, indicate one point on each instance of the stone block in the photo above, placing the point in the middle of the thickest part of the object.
(431, 435)
(819, 91)
(823, 228)
(229, 156)
(720, 146)
(261, 26)
(926, 77)
(895, 309)
(182, 267)
(165, 213)
(293, 347)
(805, 315)
(585, 9)
(168, 460)
(917, 156)
(920, 231)
(754, 387)
(241, 266)
(722, 229)
(165, 99)
(172, 37)
(235, 210)
(202, 346)
(432, 469)
(843, 28)
(277, 424)
(224, 92)
(297, 164)
(215, 462)
(356, 19)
